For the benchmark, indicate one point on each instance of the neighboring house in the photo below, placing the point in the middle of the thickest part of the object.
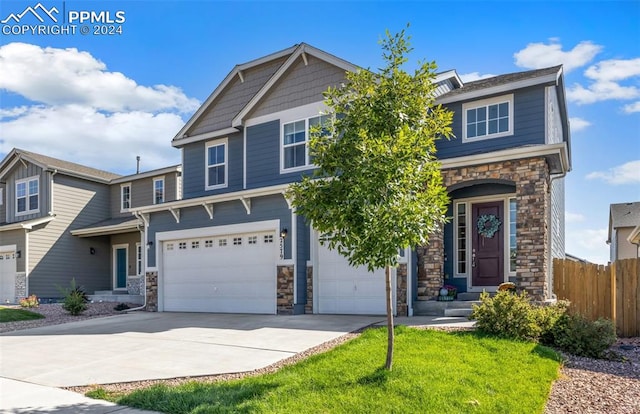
(624, 231)
(60, 220)
(233, 243)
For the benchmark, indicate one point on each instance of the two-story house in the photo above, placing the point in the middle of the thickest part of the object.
(60, 220)
(233, 243)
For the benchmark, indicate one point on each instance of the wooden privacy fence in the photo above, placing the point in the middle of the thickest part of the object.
(598, 291)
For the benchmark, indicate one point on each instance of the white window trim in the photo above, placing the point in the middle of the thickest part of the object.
(307, 164)
(26, 181)
(122, 186)
(225, 142)
(469, 243)
(483, 103)
(164, 189)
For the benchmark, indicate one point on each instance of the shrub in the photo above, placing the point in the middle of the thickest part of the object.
(579, 336)
(30, 302)
(75, 299)
(121, 307)
(510, 315)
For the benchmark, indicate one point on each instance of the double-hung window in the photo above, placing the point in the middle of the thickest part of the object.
(295, 142)
(158, 191)
(216, 164)
(125, 196)
(28, 196)
(489, 118)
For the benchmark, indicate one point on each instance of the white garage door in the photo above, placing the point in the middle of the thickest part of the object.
(7, 277)
(232, 273)
(343, 289)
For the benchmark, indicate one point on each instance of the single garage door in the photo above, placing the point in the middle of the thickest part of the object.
(7, 277)
(231, 273)
(343, 289)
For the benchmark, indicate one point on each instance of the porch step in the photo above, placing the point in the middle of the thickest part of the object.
(435, 308)
(469, 296)
(116, 297)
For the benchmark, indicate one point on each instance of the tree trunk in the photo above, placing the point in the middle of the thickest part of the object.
(389, 363)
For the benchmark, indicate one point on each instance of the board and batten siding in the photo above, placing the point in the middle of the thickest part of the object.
(232, 212)
(55, 256)
(3, 203)
(300, 85)
(194, 172)
(557, 218)
(554, 121)
(19, 172)
(235, 96)
(528, 125)
(17, 238)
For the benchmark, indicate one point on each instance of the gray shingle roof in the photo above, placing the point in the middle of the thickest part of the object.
(67, 166)
(625, 215)
(502, 79)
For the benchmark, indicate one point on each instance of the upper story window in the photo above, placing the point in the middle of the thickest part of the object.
(216, 164)
(489, 118)
(125, 196)
(295, 143)
(158, 191)
(28, 196)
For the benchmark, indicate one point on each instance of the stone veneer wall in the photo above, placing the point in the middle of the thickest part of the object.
(531, 178)
(152, 291)
(135, 285)
(401, 290)
(285, 290)
(21, 286)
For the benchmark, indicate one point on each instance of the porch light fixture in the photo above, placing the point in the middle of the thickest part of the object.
(92, 250)
(150, 243)
(19, 254)
(283, 233)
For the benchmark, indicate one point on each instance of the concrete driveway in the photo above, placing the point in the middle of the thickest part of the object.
(140, 346)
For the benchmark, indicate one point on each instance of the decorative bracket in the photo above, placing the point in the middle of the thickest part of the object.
(241, 76)
(304, 57)
(209, 208)
(287, 199)
(176, 214)
(246, 202)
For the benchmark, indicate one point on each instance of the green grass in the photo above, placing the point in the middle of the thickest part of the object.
(434, 372)
(12, 315)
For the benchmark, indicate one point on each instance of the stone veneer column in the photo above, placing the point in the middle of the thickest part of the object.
(532, 192)
(285, 290)
(308, 307)
(21, 286)
(401, 290)
(430, 267)
(152, 291)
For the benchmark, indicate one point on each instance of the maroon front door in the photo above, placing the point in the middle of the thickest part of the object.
(487, 250)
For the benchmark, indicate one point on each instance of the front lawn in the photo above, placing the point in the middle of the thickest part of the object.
(434, 372)
(13, 315)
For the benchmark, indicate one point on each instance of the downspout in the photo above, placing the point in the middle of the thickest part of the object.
(143, 240)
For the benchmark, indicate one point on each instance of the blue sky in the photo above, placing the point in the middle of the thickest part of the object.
(101, 100)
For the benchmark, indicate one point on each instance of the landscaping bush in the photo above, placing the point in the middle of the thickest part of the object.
(75, 299)
(510, 315)
(30, 302)
(579, 336)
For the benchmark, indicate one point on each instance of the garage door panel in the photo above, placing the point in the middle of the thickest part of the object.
(7, 277)
(232, 273)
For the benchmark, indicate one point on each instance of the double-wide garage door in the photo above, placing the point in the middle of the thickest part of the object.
(232, 273)
(343, 289)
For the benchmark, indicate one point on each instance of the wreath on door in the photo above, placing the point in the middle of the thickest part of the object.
(488, 225)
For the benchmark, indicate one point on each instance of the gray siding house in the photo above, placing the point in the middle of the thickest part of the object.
(59, 220)
(233, 243)
(624, 228)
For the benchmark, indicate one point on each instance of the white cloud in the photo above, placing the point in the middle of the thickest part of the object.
(541, 55)
(474, 76)
(573, 217)
(106, 141)
(628, 173)
(69, 76)
(86, 114)
(605, 84)
(589, 244)
(578, 124)
(631, 108)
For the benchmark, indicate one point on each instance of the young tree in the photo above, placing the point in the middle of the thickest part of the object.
(378, 186)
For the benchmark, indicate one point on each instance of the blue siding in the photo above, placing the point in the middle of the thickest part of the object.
(263, 157)
(529, 129)
(232, 212)
(193, 174)
(303, 253)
